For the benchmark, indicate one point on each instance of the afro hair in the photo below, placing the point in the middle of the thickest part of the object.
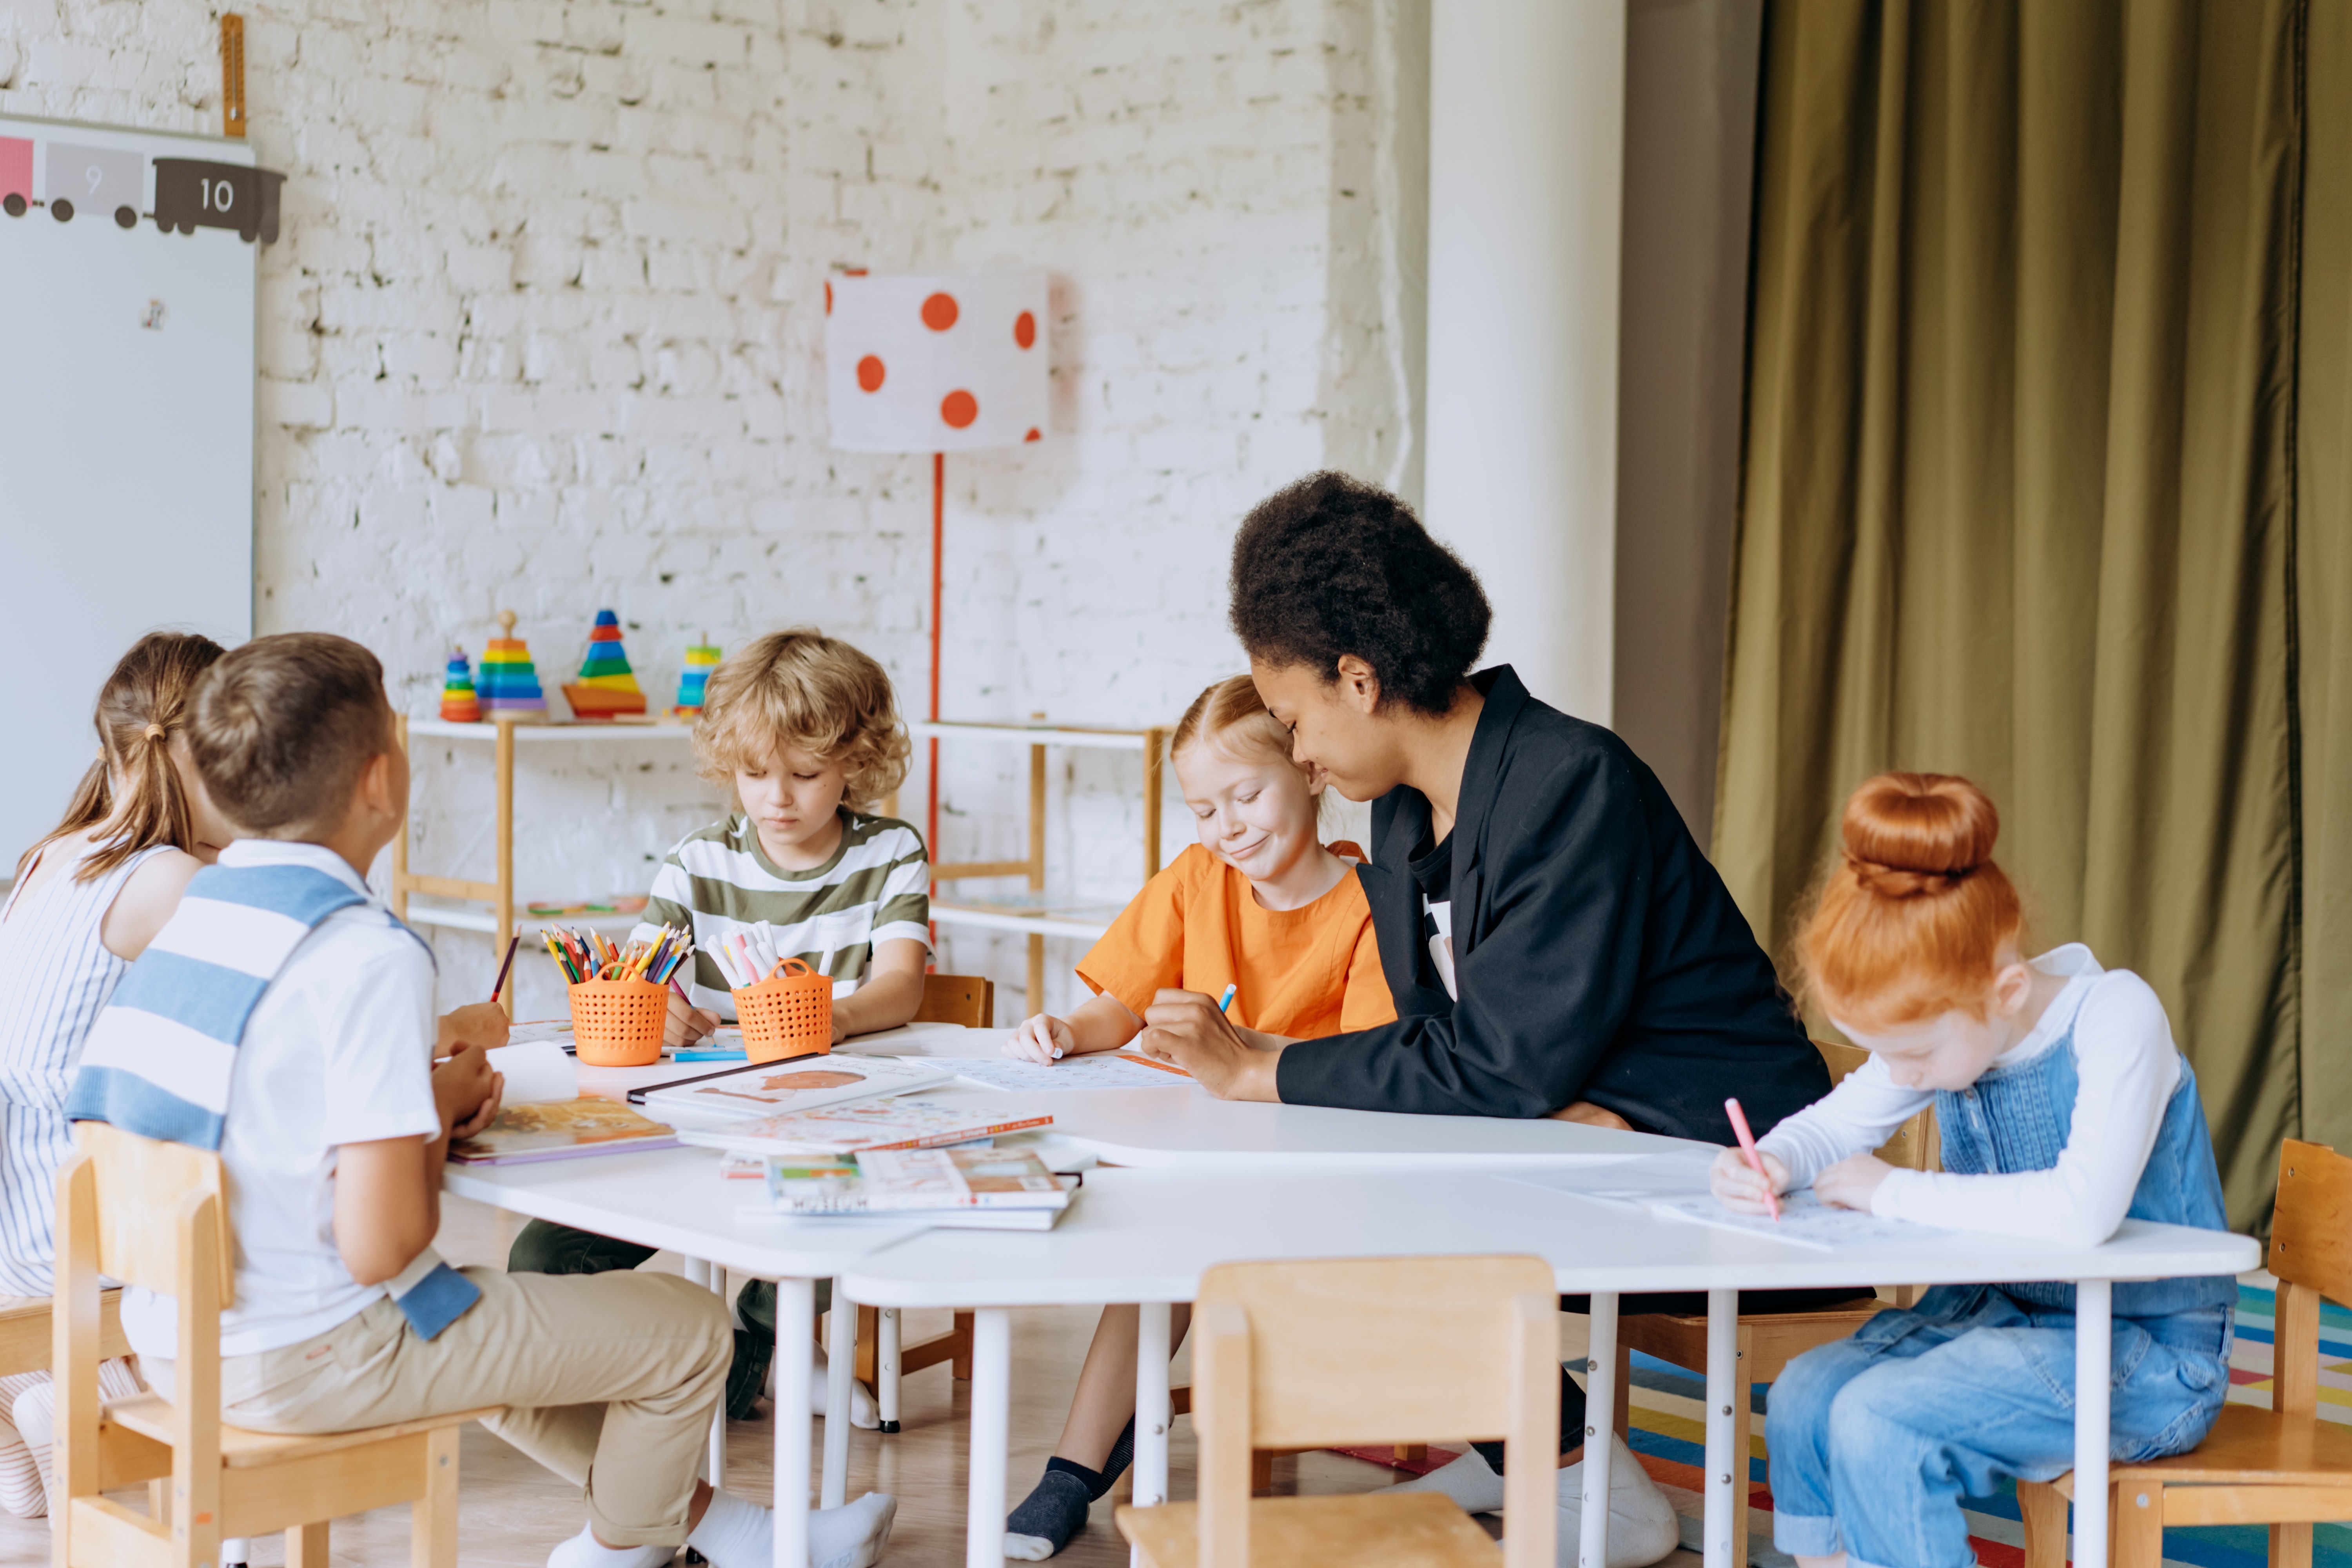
(1330, 565)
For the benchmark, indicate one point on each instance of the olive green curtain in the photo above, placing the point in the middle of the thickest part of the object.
(2040, 486)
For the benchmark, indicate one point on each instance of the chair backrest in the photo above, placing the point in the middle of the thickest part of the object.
(966, 999)
(1915, 1145)
(154, 1215)
(140, 1182)
(2311, 1254)
(1309, 1355)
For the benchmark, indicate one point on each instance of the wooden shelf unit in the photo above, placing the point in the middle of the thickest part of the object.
(1035, 914)
(451, 901)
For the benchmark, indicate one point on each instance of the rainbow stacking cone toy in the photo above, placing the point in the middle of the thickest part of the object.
(701, 658)
(509, 684)
(458, 704)
(607, 687)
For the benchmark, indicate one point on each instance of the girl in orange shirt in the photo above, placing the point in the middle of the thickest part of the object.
(1259, 904)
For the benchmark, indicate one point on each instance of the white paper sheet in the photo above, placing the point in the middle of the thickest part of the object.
(536, 1071)
(1680, 1174)
(1804, 1220)
(1104, 1069)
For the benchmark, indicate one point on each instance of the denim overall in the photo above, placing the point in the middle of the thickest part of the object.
(1875, 1439)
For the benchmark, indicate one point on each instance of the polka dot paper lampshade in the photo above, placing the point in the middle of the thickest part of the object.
(949, 364)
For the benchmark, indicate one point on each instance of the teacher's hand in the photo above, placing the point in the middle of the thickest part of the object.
(1186, 1027)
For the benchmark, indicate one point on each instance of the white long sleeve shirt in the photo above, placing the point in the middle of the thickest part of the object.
(2127, 1066)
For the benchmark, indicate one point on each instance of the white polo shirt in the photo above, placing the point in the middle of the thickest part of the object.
(339, 1050)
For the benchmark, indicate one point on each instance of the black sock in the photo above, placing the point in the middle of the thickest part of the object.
(1122, 1454)
(1056, 1508)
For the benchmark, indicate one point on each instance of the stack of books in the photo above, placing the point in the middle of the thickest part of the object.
(902, 1157)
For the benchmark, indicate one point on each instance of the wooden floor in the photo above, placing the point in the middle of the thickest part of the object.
(512, 1512)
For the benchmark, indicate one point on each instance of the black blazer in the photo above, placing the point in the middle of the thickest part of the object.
(1598, 954)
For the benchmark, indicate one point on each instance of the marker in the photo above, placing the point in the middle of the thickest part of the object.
(511, 943)
(1225, 1002)
(1748, 1153)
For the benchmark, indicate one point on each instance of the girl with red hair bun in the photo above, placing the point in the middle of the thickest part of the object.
(2064, 1108)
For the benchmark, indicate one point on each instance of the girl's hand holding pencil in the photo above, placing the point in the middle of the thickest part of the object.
(1043, 1039)
(1739, 1188)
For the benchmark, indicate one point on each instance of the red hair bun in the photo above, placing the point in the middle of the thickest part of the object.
(1915, 918)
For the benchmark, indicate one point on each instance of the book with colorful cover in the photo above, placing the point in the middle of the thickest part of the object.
(561, 1129)
(782, 1088)
(893, 1181)
(861, 1125)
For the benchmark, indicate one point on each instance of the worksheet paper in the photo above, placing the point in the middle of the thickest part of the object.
(1675, 1185)
(1103, 1069)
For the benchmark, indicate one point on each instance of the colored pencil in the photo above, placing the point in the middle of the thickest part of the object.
(1748, 1153)
(513, 942)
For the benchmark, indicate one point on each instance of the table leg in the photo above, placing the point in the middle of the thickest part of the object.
(992, 1421)
(841, 1352)
(1723, 1386)
(1600, 1399)
(1152, 1417)
(717, 1466)
(2094, 1329)
(886, 1367)
(795, 1331)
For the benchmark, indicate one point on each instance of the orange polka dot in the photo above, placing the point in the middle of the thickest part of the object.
(828, 296)
(959, 409)
(1033, 434)
(1024, 330)
(870, 373)
(939, 312)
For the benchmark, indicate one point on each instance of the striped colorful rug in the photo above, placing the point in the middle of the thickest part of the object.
(1670, 1435)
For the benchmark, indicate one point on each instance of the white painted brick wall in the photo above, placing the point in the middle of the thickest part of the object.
(543, 332)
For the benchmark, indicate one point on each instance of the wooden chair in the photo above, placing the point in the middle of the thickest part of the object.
(2282, 1467)
(968, 1000)
(1768, 1342)
(1311, 1355)
(154, 1215)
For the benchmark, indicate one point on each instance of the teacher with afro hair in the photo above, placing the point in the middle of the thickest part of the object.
(1557, 943)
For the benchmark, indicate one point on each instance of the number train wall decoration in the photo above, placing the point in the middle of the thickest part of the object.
(190, 194)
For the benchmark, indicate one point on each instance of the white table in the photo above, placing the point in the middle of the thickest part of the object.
(675, 1199)
(1148, 1237)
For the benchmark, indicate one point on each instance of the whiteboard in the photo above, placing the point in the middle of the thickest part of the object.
(126, 431)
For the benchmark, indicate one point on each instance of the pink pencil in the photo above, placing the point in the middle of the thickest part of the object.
(1748, 1153)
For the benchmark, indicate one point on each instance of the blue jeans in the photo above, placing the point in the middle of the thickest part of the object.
(1875, 1440)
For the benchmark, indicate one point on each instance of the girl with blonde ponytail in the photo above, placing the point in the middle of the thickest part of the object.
(2064, 1108)
(87, 900)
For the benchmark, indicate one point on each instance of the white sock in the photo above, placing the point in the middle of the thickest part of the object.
(863, 1412)
(584, 1551)
(739, 1534)
(851, 1537)
(1469, 1480)
(1643, 1529)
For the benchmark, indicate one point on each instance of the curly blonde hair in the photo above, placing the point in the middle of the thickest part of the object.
(818, 694)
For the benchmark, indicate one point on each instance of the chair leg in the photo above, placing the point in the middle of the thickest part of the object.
(2290, 1546)
(159, 1499)
(2138, 1529)
(306, 1546)
(433, 1518)
(1622, 1416)
(1743, 1405)
(960, 1363)
(2044, 1512)
(1409, 1453)
(869, 1335)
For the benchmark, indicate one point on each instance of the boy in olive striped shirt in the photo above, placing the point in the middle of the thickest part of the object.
(803, 729)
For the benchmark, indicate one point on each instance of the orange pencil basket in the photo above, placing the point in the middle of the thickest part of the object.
(618, 1022)
(789, 1013)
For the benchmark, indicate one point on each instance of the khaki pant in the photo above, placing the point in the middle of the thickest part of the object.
(609, 1380)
